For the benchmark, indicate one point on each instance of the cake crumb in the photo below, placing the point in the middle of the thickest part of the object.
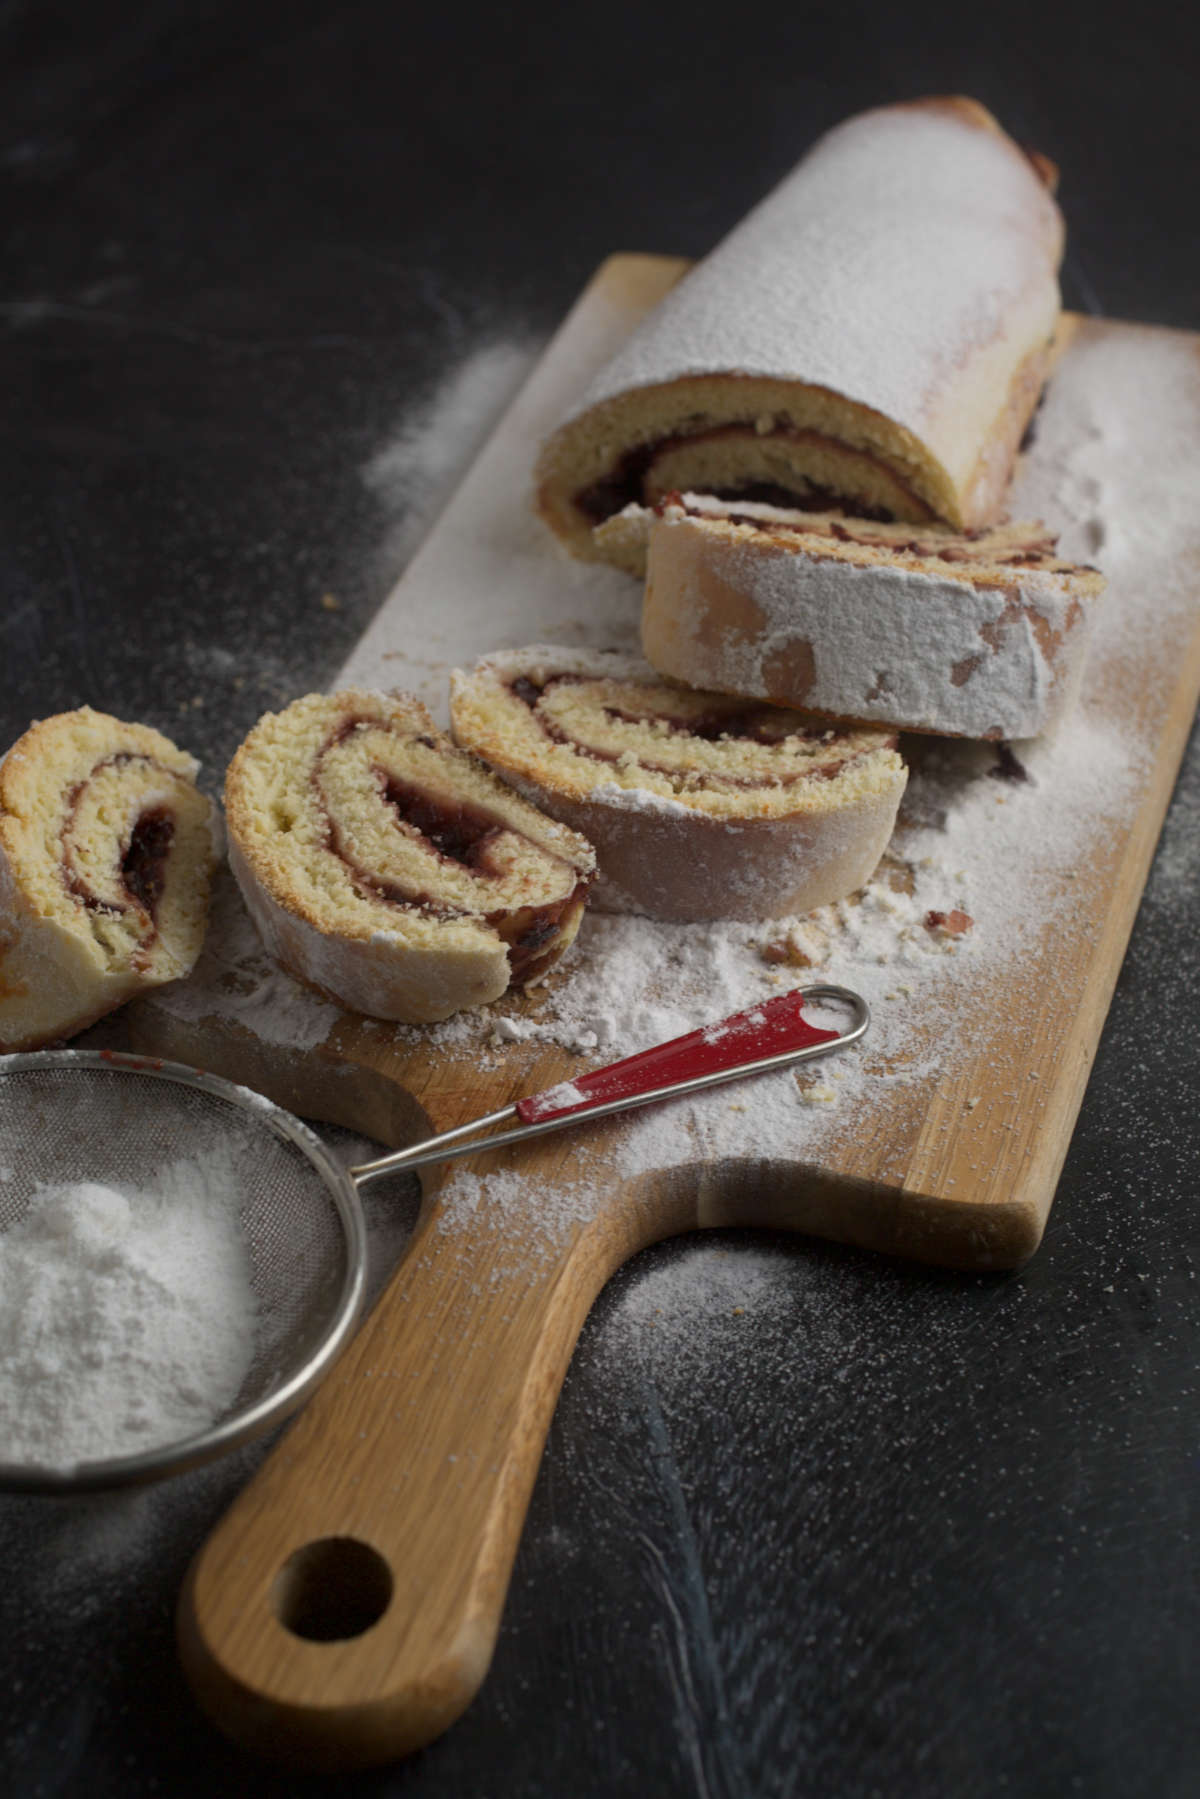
(822, 1095)
(949, 924)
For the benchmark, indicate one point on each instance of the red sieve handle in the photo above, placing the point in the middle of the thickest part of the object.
(770, 1029)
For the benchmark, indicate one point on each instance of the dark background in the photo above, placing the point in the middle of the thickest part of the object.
(886, 1531)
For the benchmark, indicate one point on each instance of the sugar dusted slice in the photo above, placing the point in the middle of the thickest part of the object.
(388, 868)
(699, 806)
(922, 629)
(107, 850)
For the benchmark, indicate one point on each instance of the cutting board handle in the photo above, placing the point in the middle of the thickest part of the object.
(345, 1610)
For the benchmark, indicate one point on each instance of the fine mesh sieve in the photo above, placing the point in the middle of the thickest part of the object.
(75, 1116)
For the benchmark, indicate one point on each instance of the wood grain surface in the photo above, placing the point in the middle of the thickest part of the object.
(404, 1483)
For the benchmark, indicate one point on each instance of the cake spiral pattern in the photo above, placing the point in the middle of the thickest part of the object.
(699, 806)
(390, 869)
(874, 335)
(107, 851)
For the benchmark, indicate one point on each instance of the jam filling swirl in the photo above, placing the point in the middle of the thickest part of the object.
(626, 481)
(737, 723)
(458, 832)
(1031, 552)
(141, 864)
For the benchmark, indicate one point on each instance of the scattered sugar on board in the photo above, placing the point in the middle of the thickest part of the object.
(129, 1317)
(533, 1219)
(417, 470)
(236, 979)
(495, 579)
(634, 982)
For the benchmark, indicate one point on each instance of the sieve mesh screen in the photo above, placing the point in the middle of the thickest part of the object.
(82, 1116)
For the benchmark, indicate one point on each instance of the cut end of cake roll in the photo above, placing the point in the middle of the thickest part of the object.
(873, 336)
(980, 635)
(699, 807)
(389, 869)
(107, 851)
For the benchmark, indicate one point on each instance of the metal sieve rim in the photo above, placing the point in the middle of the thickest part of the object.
(251, 1420)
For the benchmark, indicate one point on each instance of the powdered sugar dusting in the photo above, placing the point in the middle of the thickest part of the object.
(417, 470)
(682, 1297)
(490, 577)
(236, 979)
(877, 641)
(899, 315)
(531, 1222)
(563, 1097)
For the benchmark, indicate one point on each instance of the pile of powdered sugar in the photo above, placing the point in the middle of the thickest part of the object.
(129, 1316)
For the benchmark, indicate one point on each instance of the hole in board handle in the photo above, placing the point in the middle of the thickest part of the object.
(332, 1589)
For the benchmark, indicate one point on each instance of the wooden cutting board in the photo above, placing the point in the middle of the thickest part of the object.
(420, 1451)
(958, 1167)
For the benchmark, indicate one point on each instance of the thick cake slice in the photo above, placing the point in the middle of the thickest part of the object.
(874, 335)
(388, 868)
(107, 850)
(700, 807)
(979, 635)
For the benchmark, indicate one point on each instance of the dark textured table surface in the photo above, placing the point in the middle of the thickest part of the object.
(809, 1523)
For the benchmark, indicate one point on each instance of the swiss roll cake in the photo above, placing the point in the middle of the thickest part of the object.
(873, 337)
(107, 851)
(390, 869)
(699, 806)
(980, 634)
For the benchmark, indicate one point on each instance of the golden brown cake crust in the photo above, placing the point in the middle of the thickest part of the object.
(834, 347)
